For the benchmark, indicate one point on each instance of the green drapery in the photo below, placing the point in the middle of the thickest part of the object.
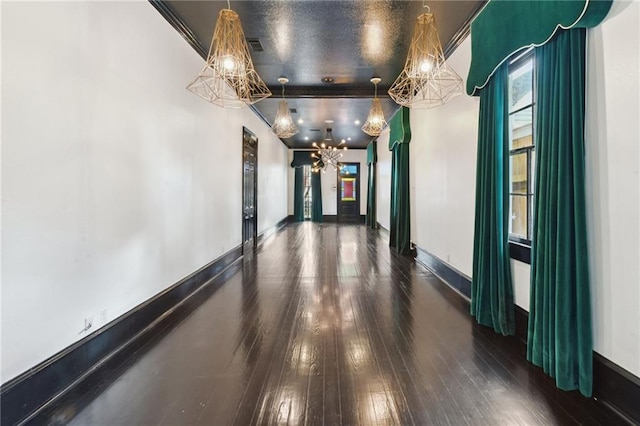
(400, 220)
(506, 27)
(300, 159)
(560, 334)
(372, 159)
(491, 289)
(316, 197)
(298, 195)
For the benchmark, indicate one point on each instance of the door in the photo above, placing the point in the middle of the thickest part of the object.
(250, 190)
(349, 192)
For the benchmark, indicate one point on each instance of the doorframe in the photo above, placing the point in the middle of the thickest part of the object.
(339, 192)
(250, 135)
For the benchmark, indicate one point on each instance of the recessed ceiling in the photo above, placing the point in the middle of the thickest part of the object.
(307, 41)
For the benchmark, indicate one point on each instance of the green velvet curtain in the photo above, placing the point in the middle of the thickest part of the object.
(372, 159)
(560, 333)
(298, 195)
(400, 220)
(491, 289)
(316, 197)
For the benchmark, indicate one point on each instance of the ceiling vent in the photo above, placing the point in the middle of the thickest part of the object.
(314, 130)
(293, 110)
(255, 44)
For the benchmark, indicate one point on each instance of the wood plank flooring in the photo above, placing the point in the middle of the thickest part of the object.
(324, 325)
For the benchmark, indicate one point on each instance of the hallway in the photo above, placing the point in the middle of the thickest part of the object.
(324, 325)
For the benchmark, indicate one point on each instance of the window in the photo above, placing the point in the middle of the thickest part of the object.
(522, 154)
(306, 173)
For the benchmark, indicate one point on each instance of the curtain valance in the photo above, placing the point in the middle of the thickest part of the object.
(400, 128)
(506, 27)
(302, 158)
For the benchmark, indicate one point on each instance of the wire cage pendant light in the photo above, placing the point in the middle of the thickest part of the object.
(283, 125)
(327, 154)
(426, 81)
(229, 78)
(375, 121)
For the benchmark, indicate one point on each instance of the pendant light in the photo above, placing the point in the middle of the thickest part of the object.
(283, 125)
(375, 121)
(228, 78)
(426, 80)
(327, 154)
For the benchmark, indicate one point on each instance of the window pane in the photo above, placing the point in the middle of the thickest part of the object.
(532, 200)
(518, 168)
(521, 124)
(349, 169)
(348, 189)
(533, 171)
(306, 171)
(521, 86)
(518, 222)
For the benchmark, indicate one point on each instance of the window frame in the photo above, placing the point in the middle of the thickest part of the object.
(520, 248)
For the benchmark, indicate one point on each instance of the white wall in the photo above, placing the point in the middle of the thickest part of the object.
(116, 181)
(383, 184)
(442, 174)
(613, 183)
(443, 167)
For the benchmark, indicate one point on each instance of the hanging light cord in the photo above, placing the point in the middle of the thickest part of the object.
(228, 4)
(424, 4)
(283, 91)
(375, 93)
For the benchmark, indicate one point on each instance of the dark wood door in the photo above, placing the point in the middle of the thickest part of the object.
(250, 189)
(349, 192)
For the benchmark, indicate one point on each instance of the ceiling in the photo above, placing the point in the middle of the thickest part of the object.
(306, 41)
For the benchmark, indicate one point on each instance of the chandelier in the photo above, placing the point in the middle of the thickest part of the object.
(375, 121)
(327, 154)
(426, 80)
(283, 126)
(228, 78)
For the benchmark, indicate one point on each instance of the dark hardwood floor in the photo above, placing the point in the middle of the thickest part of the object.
(324, 325)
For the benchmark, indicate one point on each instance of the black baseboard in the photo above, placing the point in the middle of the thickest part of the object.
(613, 386)
(332, 218)
(26, 395)
(383, 229)
(451, 276)
(616, 388)
(264, 235)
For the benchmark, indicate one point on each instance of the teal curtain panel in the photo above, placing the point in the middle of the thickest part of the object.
(506, 27)
(492, 289)
(298, 195)
(400, 216)
(316, 197)
(560, 329)
(372, 159)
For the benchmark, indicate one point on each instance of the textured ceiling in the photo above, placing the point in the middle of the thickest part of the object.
(305, 41)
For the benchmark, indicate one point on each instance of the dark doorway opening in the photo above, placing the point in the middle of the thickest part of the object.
(349, 192)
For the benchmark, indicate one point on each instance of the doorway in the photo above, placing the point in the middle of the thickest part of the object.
(349, 192)
(249, 190)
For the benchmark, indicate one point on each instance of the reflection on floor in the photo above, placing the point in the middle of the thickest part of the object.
(325, 325)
